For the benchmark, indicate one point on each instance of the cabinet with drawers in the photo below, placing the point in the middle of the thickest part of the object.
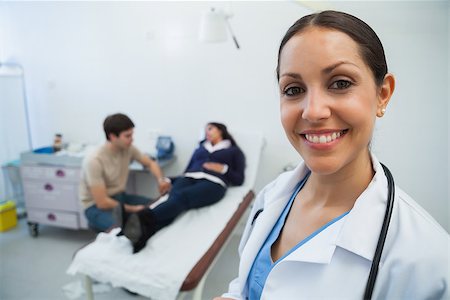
(50, 186)
(51, 196)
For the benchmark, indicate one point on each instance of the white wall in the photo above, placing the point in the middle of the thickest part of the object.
(84, 60)
(13, 130)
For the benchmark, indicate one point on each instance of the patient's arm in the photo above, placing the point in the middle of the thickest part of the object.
(103, 201)
(235, 173)
(213, 166)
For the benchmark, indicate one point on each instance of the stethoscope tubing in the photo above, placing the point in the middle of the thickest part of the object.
(383, 233)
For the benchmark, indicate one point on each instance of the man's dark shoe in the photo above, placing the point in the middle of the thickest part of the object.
(120, 216)
(139, 228)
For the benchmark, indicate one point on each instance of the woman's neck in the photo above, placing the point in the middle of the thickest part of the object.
(343, 187)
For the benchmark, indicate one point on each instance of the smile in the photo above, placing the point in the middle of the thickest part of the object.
(324, 138)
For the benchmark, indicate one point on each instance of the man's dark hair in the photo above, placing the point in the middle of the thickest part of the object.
(117, 123)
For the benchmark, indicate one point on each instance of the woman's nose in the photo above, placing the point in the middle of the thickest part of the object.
(315, 107)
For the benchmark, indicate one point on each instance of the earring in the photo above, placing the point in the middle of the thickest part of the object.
(381, 112)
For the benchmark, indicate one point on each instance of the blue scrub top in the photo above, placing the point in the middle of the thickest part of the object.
(262, 265)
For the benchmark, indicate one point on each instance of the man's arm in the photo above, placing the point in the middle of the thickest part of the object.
(104, 202)
(163, 183)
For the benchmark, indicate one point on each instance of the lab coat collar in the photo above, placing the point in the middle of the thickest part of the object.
(357, 232)
(285, 185)
(361, 229)
(320, 248)
(276, 199)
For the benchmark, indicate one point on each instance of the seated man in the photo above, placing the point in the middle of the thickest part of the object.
(105, 174)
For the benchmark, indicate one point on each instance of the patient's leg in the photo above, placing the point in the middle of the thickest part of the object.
(198, 193)
(120, 214)
(187, 194)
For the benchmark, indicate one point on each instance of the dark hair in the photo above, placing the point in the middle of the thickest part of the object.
(370, 47)
(117, 123)
(224, 131)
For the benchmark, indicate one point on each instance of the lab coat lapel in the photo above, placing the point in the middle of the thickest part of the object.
(362, 226)
(275, 201)
(320, 248)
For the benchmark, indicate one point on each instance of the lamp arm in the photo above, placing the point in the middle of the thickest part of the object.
(232, 33)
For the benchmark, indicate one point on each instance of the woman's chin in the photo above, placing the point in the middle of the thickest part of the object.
(323, 166)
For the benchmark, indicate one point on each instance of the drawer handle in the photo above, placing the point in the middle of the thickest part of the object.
(48, 187)
(51, 217)
(60, 173)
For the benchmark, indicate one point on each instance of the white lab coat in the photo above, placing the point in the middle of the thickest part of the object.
(335, 264)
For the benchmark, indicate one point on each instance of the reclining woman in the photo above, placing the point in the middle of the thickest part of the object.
(217, 163)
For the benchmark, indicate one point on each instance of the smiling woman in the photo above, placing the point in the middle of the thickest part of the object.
(322, 220)
(327, 91)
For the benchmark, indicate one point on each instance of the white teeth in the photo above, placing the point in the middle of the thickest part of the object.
(322, 139)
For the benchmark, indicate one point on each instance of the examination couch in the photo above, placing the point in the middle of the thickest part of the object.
(177, 259)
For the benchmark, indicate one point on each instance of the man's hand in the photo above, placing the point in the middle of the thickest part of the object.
(164, 186)
(133, 208)
(213, 166)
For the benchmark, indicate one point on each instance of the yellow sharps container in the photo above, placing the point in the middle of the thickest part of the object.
(8, 215)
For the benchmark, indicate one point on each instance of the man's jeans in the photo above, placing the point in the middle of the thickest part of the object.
(103, 220)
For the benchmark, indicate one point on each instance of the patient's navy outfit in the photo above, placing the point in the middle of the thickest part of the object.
(222, 152)
(198, 187)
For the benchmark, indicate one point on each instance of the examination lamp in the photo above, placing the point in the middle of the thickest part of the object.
(214, 25)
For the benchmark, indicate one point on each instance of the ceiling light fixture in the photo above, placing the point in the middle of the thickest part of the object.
(214, 25)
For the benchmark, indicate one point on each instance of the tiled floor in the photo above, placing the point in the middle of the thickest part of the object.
(35, 268)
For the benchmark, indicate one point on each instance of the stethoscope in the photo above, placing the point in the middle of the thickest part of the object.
(381, 239)
(383, 233)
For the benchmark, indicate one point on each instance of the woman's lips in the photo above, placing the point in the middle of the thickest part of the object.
(323, 137)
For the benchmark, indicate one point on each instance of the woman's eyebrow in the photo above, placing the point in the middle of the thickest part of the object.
(329, 69)
(293, 75)
(325, 71)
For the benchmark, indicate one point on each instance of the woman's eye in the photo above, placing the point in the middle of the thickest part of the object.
(340, 84)
(292, 91)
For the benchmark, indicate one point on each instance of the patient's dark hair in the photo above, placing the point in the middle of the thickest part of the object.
(370, 47)
(117, 123)
(225, 134)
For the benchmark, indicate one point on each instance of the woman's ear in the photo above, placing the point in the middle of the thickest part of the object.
(384, 94)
